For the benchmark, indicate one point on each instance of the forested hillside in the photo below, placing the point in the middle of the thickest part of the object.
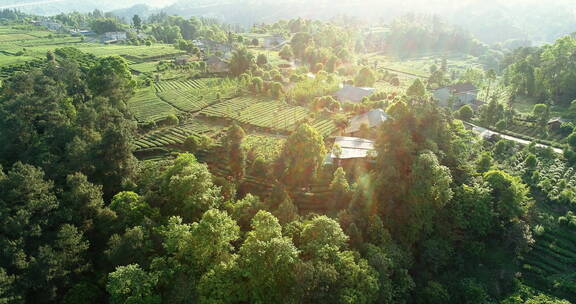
(166, 159)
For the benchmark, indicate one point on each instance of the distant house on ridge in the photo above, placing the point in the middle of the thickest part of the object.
(182, 60)
(216, 65)
(113, 37)
(273, 41)
(353, 94)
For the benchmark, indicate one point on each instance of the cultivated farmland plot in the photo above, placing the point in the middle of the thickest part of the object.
(260, 112)
(196, 94)
(144, 67)
(175, 135)
(325, 127)
(266, 147)
(147, 107)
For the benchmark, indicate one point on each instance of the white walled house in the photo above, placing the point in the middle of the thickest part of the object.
(460, 93)
(111, 37)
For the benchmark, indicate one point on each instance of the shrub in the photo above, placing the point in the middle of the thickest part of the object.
(466, 113)
(172, 120)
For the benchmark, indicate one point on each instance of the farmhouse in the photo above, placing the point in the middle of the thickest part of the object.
(77, 32)
(372, 119)
(212, 46)
(458, 95)
(182, 60)
(273, 41)
(216, 65)
(51, 25)
(353, 94)
(113, 37)
(555, 123)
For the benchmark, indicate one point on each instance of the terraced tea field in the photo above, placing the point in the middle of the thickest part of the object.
(175, 135)
(260, 112)
(144, 67)
(551, 265)
(266, 147)
(147, 107)
(164, 86)
(196, 94)
(325, 127)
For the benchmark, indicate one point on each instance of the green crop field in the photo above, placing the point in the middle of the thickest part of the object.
(146, 106)
(175, 135)
(551, 265)
(259, 112)
(420, 66)
(266, 147)
(130, 51)
(144, 67)
(18, 46)
(325, 127)
(194, 95)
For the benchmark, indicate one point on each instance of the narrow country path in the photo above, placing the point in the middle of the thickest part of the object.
(486, 133)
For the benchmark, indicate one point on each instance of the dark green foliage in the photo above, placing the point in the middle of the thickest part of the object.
(544, 72)
(236, 154)
(104, 25)
(41, 251)
(241, 61)
(301, 157)
(466, 113)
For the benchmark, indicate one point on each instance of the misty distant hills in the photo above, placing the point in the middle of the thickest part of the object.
(490, 20)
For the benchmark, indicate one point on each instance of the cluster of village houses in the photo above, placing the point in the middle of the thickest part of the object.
(354, 152)
(350, 150)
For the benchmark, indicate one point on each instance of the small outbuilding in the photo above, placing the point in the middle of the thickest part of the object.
(555, 123)
(349, 151)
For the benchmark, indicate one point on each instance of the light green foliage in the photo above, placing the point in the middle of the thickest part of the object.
(484, 163)
(286, 53)
(111, 77)
(544, 72)
(212, 237)
(185, 188)
(510, 194)
(322, 241)
(302, 155)
(474, 76)
(261, 60)
(244, 210)
(195, 144)
(236, 154)
(267, 260)
(130, 285)
(417, 89)
(240, 61)
(466, 113)
(340, 189)
(299, 43)
(365, 78)
(473, 210)
(286, 212)
(131, 210)
(322, 234)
